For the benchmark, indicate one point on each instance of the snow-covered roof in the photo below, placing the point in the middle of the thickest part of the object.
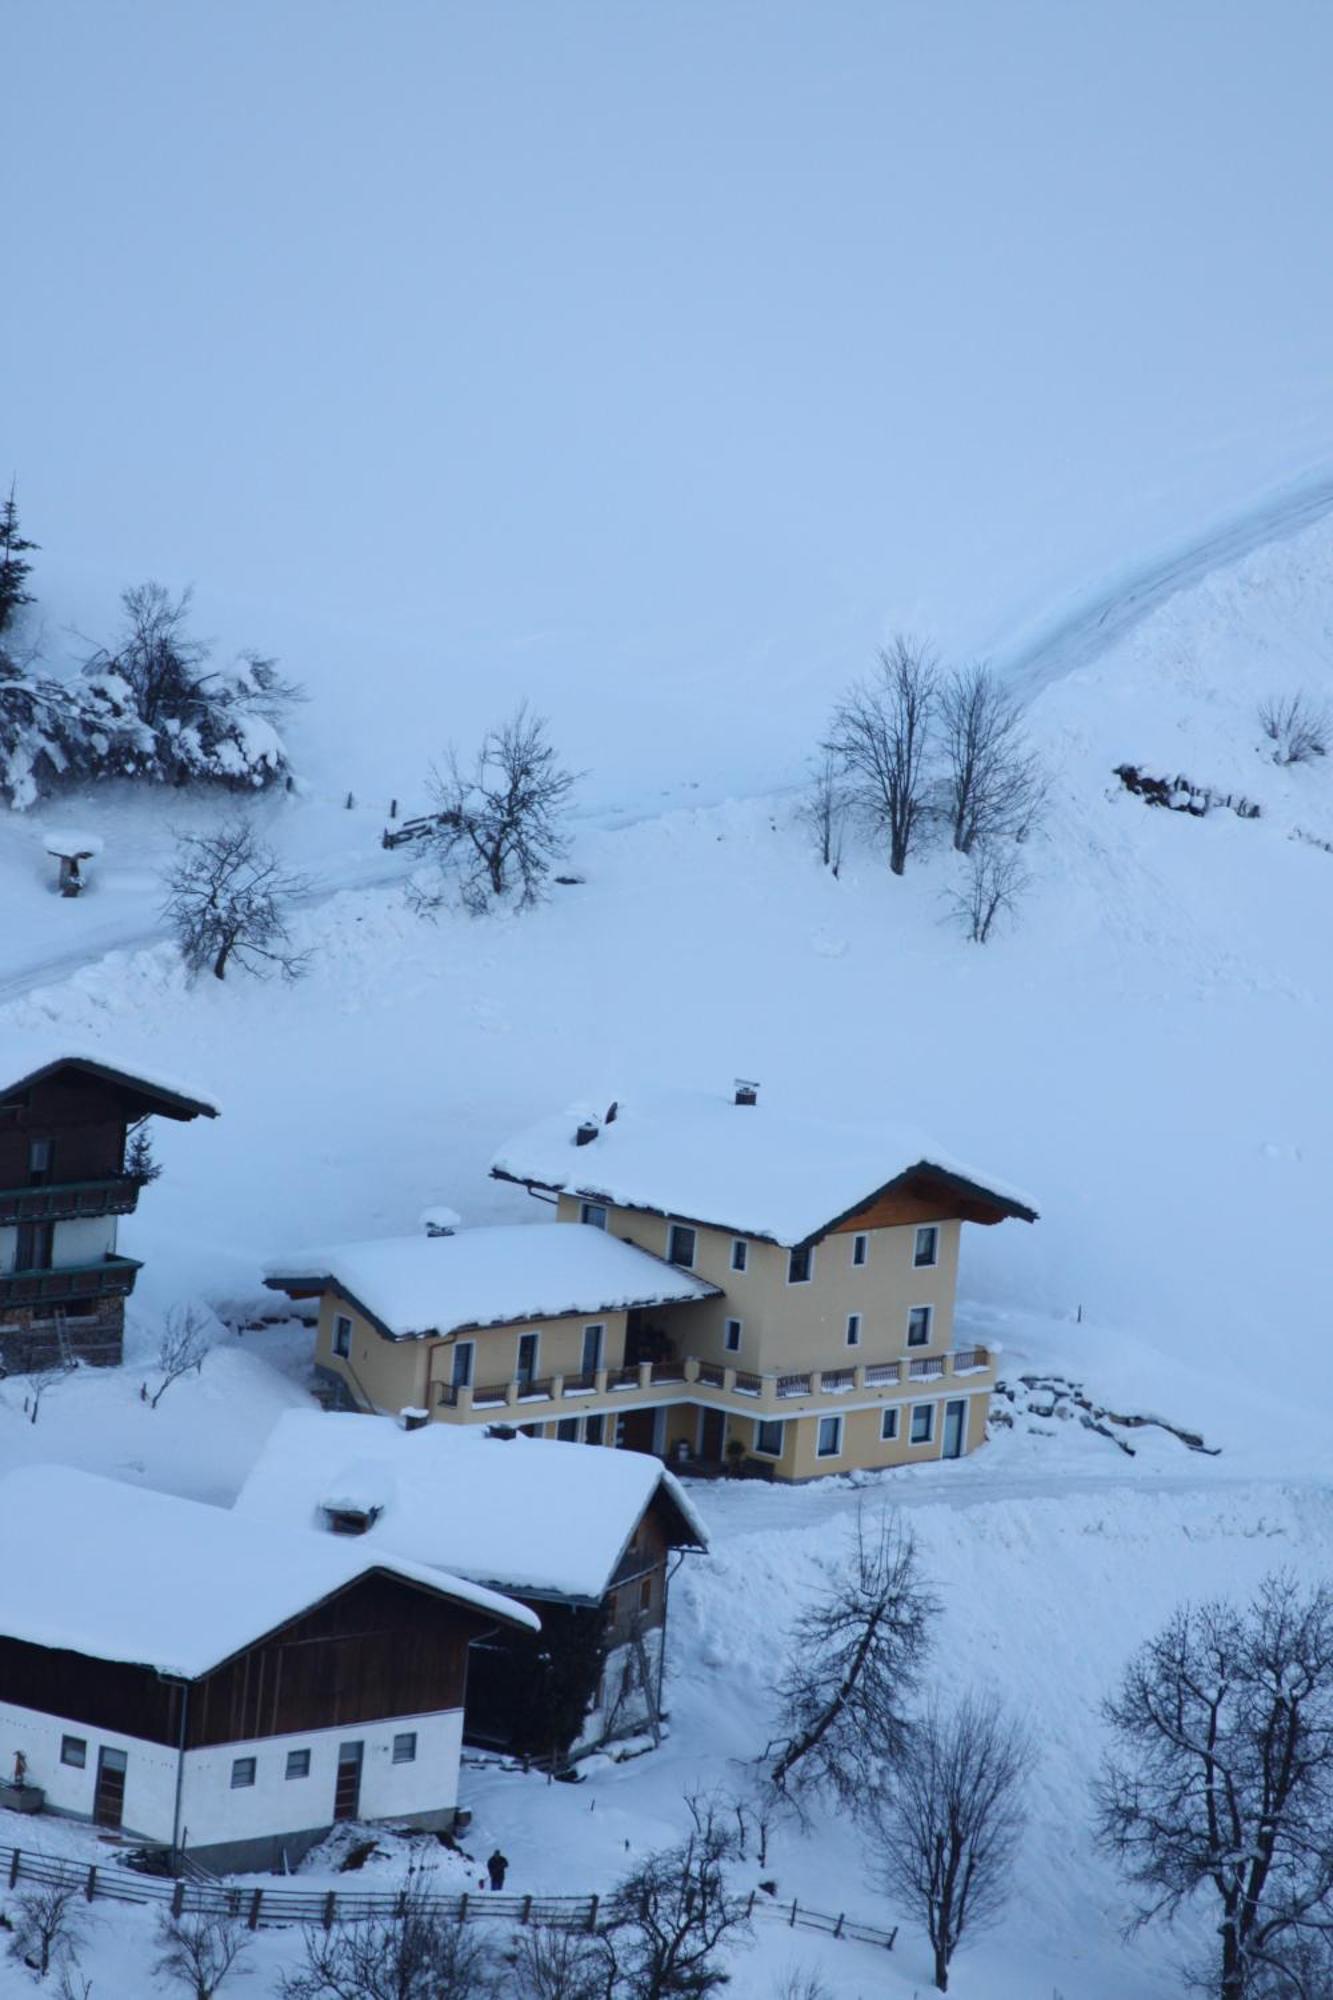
(530, 1515)
(762, 1172)
(26, 1057)
(490, 1277)
(119, 1572)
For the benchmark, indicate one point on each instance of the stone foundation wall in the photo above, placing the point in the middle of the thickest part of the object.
(30, 1338)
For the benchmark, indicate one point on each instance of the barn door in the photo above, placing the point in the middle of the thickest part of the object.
(109, 1798)
(347, 1792)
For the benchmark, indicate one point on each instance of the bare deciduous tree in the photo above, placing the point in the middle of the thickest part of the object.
(40, 1382)
(500, 823)
(880, 735)
(855, 1655)
(47, 1932)
(993, 783)
(668, 1920)
(1222, 1782)
(560, 1965)
(227, 899)
(199, 1952)
(823, 809)
(946, 1824)
(408, 1956)
(187, 1336)
(1297, 727)
(991, 888)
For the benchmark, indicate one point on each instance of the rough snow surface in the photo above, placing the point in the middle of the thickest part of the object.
(492, 1277)
(121, 1573)
(783, 1174)
(530, 1515)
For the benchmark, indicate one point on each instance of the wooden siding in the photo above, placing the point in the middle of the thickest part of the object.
(917, 1200)
(84, 1116)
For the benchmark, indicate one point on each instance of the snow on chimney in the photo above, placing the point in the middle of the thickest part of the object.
(413, 1418)
(587, 1132)
(439, 1220)
(746, 1092)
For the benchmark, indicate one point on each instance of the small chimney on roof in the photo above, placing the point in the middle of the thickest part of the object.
(746, 1092)
(587, 1132)
(439, 1220)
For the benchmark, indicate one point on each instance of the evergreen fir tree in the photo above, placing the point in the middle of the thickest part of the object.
(13, 570)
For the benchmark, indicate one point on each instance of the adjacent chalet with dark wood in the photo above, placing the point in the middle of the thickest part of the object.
(219, 1687)
(584, 1538)
(72, 1162)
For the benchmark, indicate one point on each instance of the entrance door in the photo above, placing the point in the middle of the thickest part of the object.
(955, 1429)
(347, 1792)
(712, 1430)
(109, 1798)
(636, 1430)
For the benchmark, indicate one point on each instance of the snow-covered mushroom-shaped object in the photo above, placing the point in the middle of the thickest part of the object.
(72, 850)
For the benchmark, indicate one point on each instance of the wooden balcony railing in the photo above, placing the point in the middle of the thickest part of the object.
(118, 1194)
(106, 1277)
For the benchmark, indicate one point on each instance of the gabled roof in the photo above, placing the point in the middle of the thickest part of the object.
(115, 1572)
(35, 1058)
(753, 1169)
(528, 1515)
(410, 1285)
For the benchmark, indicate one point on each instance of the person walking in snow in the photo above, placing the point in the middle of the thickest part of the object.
(496, 1867)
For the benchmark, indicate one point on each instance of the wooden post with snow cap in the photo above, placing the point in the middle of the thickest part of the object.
(72, 850)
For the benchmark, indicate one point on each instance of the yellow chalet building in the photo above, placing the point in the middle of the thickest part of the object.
(724, 1284)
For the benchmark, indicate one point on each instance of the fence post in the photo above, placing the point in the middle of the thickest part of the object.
(837, 1928)
(14, 1867)
(330, 1909)
(749, 1907)
(255, 1901)
(592, 1913)
(792, 1925)
(178, 1897)
(90, 1886)
(527, 1910)
(462, 1907)
(892, 1935)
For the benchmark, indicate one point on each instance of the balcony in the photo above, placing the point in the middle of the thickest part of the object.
(106, 1277)
(62, 1201)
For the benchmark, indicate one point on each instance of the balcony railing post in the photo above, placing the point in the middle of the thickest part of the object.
(463, 1396)
(557, 1387)
(645, 1374)
(816, 1382)
(729, 1380)
(691, 1369)
(599, 1381)
(859, 1375)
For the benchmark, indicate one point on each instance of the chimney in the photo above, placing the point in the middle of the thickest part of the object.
(439, 1220)
(746, 1093)
(586, 1132)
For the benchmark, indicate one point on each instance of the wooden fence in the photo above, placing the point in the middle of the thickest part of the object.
(256, 1906)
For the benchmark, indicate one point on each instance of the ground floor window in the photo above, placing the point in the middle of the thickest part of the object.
(567, 1430)
(829, 1442)
(768, 1437)
(405, 1747)
(594, 1429)
(888, 1425)
(298, 1763)
(593, 1213)
(242, 1772)
(923, 1422)
(74, 1750)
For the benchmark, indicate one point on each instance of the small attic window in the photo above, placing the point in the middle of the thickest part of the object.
(351, 1520)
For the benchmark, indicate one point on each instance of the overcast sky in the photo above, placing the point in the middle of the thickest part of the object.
(653, 359)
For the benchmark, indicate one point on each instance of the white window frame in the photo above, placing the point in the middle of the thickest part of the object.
(730, 1327)
(74, 1752)
(341, 1351)
(740, 1254)
(404, 1749)
(836, 1422)
(240, 1783)
(931, 1263)
(468, 1380)
(529, 1333)
(888, 1424)
(597, 1326)
(912, 1312)
(682, 1263)
(929, 1438)
(586, 1217)
(861, 1242)
(302, 1769)
(762, 1424)
(809, 1277)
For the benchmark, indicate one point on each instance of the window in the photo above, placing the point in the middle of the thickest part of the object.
(646, 1594)
(593, 1337)
(593, 1214)
(740, 1253)
(731, 1336)
(567, 1430)
(462, 1375)
(74, 1750)
(527, 1357)
(768, 1437)
(918, 1326)
(342, 1335)
(298, 1763)
(927, 1250)
(41, 1159)
(888, 1425)
(801, 1264)
(860, 1249)
(405, 1747)
(829, 1442)
(923, 1422)
(680, 1245)
(853, 1329)
(35, 1246)
(594, 1428)
(242, 1773)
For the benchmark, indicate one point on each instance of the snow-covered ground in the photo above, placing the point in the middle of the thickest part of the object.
(1147, 1052)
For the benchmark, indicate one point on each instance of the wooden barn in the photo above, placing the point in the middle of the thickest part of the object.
(218, 1687)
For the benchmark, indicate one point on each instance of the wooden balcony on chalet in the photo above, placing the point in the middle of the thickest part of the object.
(62, 1201)
(103, 1277)
(689, 1380)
